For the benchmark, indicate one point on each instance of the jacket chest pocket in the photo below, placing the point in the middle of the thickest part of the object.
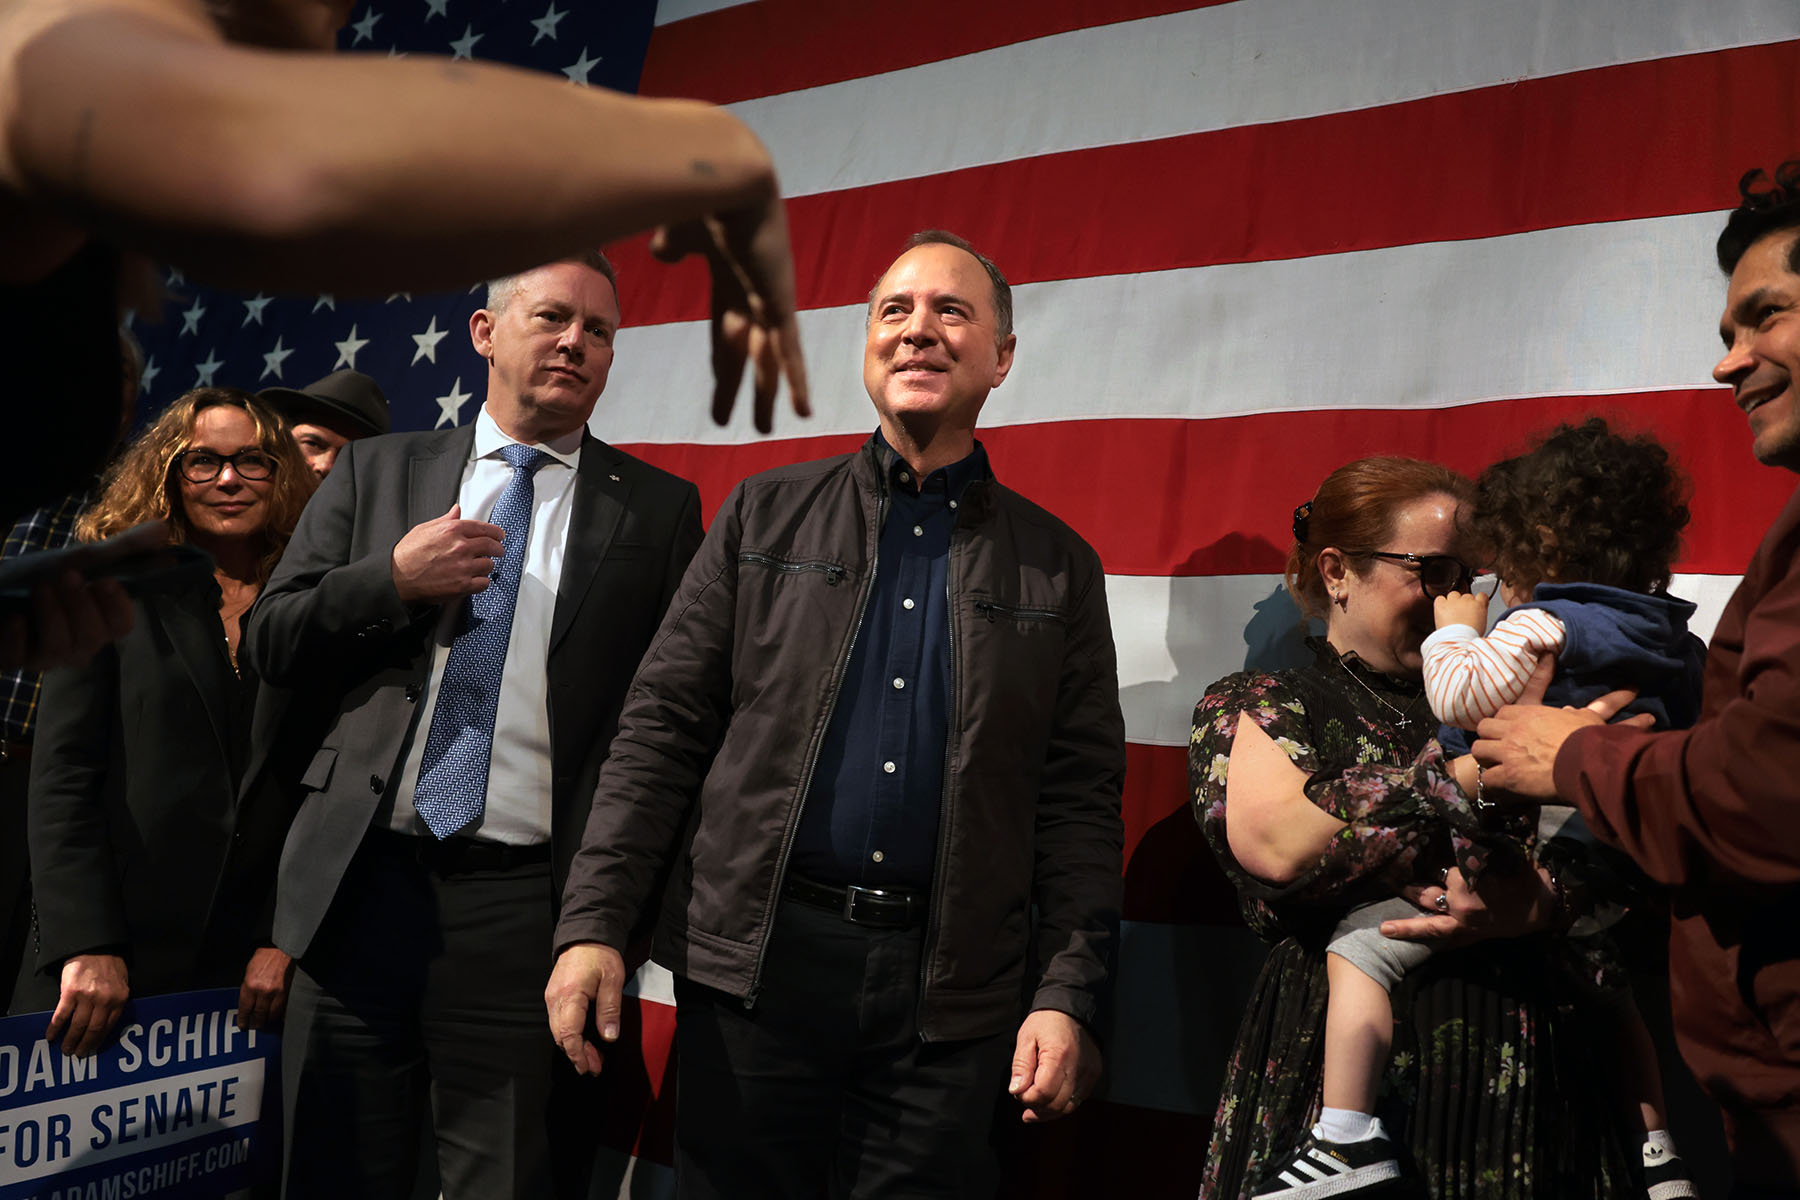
(787, 607)
(1012, 663)
(1038, 620)
(788, 568)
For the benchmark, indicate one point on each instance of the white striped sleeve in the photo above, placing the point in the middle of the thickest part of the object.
(1468, 677)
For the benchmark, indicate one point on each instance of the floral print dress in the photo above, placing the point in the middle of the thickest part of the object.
(1492, 1090)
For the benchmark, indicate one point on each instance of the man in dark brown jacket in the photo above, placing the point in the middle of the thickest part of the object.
(1714, 811)
(876, 749)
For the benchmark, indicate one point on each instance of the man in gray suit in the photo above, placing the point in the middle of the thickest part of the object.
(461, 613)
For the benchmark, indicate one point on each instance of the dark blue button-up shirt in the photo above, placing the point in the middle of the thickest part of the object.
(871, 817)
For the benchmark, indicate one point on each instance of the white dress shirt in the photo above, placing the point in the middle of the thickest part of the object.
(518, 790)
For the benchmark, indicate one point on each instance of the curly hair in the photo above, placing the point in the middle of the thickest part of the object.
(142, 485)
(1767, 206)
(1587, 505)
(1354, 510)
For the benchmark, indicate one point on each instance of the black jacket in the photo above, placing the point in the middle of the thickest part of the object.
(722, 728)
(154, 820)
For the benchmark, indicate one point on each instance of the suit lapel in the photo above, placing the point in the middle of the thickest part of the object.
(434, 471)
(601, 493)
(434, 475)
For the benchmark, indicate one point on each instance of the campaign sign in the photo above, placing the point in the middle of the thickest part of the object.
(173, 1108)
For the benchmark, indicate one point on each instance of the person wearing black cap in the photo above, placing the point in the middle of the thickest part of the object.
(326, 415)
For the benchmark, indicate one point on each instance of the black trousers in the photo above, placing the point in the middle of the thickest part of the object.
(421, 998)
(824, 1087)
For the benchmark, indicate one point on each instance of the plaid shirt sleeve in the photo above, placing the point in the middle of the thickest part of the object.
(48, 528)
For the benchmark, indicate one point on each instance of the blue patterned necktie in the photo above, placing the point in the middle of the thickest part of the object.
(453, 774)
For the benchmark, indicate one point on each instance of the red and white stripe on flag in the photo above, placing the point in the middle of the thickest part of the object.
(1249, 241)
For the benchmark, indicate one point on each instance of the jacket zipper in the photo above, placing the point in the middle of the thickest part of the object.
(929, 943)
(834, 574)
(988, 609)
(812, 754)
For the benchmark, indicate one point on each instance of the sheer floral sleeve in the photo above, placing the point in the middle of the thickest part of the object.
(1360, 773)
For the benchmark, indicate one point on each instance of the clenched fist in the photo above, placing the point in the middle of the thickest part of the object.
(446, 558)
(1461, 608)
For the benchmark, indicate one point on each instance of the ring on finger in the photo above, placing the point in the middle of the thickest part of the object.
(1442, 902)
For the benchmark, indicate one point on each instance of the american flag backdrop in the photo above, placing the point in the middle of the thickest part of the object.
(1250, 240)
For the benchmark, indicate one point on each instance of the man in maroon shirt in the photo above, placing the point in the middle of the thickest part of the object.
(1713, 812)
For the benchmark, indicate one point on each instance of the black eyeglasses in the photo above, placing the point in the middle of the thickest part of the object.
(1439, 574)
(203, 466)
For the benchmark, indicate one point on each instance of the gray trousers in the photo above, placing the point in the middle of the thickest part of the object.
(1358, 940)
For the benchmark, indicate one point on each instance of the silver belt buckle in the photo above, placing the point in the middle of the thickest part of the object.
(850, 893)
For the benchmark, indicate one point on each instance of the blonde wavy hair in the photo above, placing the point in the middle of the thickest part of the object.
(142, 483)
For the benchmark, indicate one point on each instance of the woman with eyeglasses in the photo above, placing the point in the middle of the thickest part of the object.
(1322, 790)
(152, 867)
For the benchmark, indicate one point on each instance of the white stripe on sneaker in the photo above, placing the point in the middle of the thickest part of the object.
(1335, 1164)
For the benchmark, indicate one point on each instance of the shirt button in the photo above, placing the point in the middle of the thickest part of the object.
(953, 504)
(888, 767)
(918, 531)
(905, 478)
(899, 682)
(878, 856)
(907, 603)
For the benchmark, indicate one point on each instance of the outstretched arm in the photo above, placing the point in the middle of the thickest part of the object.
(1711, 806)
(1706, 806)
(362, 173)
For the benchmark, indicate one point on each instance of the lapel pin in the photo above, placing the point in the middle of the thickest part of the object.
(613, 477)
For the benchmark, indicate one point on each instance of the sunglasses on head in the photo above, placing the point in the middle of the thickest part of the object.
(1439, 574)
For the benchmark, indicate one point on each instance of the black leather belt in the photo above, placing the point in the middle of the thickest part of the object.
(878, 908)
(457, 854)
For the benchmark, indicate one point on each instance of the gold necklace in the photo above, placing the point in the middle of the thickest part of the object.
(1402, 716)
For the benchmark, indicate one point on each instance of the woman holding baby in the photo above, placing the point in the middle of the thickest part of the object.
(1492, 1054)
